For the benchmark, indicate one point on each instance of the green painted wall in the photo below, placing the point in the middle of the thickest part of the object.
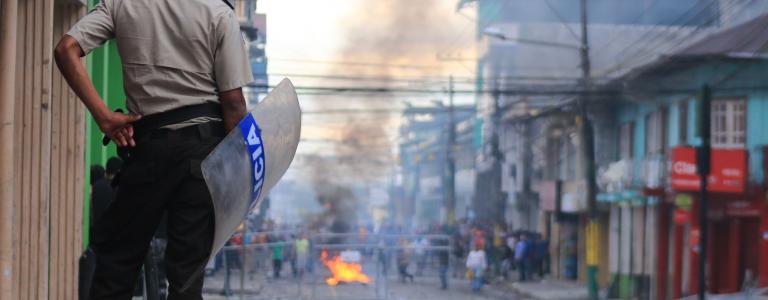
(105, 69)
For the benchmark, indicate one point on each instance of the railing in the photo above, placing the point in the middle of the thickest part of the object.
(248, 270)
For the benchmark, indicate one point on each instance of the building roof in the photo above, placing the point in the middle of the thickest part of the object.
(746, 40)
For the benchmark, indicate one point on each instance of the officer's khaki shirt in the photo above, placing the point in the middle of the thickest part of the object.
(174, 52)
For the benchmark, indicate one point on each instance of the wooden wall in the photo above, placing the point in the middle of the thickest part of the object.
(49, 158)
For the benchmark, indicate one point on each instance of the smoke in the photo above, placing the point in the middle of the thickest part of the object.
(395, 39)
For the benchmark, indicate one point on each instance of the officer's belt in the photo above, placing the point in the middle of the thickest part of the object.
(149, 123)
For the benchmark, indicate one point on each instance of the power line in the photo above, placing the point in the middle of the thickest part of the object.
(352, 63)
(562, 20)
(521, 90)
(384, 111)
(697, 29)
(617, 34)
(428, 79)
(652, 42)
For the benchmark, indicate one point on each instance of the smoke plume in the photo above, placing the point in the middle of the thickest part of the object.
(395, 39)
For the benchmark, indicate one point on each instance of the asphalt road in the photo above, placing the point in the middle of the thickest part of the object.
(262, 286)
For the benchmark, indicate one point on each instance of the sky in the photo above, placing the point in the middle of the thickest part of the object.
(363, 43)
(328, 30)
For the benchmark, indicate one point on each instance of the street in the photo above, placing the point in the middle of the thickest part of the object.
(360, 149)
(421, 288)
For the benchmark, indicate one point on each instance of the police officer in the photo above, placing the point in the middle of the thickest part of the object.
(184, 63)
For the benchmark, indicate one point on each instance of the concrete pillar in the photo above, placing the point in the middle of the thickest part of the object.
(8, 12)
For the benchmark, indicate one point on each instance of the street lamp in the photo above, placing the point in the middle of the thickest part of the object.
(496, 33)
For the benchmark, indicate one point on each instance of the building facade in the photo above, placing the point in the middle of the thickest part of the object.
(528, 62)
(652, 187)
(424, 164)
(42, 166)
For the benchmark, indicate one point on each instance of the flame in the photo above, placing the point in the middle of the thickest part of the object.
(342, 271)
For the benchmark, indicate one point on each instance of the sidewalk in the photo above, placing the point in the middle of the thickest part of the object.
(549, 289)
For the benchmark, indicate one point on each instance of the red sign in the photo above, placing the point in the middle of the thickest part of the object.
(694, 237)
(682, 216)
(728, 170)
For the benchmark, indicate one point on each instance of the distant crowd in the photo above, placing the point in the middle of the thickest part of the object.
(470, 250)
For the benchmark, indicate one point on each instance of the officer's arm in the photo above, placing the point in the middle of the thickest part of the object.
(67, 55)
(232, 107)
(115, 125)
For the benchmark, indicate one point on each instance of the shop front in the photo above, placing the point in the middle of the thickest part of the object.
(737, 247)
(563, 203)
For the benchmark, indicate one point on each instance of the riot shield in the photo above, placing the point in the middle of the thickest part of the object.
(250, 160)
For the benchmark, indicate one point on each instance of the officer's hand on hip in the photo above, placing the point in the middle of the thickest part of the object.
(117, 126)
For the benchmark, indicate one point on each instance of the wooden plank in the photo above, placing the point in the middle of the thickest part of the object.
(79, 165)
(26, 216)
(54, 206)
(34, 145)
(70, 234)
(57, 105)
(68, 287)
(46, 155)
(8, 73)
(64, 243)
(18, 129)
(41, 146)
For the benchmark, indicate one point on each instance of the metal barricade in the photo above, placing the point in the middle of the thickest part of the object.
(248, 271)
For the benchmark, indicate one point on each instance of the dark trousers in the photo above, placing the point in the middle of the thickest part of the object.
(522, 267)
(443, 276)
(277, 267)
(161, 175)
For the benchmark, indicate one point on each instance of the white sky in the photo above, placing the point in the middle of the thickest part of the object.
(303, 33)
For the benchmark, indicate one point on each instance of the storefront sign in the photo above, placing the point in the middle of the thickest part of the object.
(548, 194)
(693, 239)
(684, 201)
(729, 170)
(573, 199)
(682, 216)
(743, 209)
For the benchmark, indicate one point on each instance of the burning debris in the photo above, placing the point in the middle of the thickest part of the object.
(343, 271)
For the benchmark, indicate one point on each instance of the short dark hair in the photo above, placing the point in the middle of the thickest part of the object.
(97, 173)
(114, 164)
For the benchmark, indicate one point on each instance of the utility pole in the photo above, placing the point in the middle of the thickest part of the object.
(588, 148)
(450, 168)
(489, 202)
(703, 169)
(498, 206)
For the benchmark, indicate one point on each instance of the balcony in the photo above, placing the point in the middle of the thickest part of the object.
(616, 177)
(654, 174)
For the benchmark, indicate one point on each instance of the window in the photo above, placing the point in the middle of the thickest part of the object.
(729, 123)
(682, 125)
(655, 131)
(626, 140)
